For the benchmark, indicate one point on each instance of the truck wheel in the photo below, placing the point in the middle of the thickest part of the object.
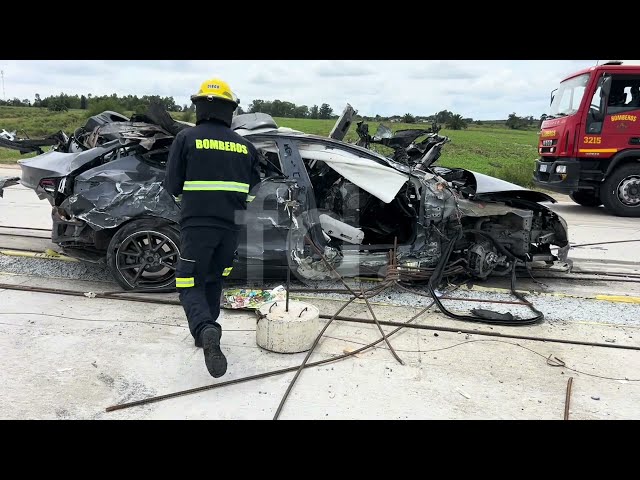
(586, 198)
(620, 193)
(143, 254)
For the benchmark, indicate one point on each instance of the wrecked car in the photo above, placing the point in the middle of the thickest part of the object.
(323, 206)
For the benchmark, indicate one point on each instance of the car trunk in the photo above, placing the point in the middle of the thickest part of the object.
(45, 173)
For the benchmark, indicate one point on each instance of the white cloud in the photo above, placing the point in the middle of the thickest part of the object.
(481, 89)
(342, 68)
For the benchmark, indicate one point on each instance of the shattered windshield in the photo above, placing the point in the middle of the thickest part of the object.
(566, 100)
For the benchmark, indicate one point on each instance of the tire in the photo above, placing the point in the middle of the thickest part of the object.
(157, 269)
(620, 192)
(586, 198)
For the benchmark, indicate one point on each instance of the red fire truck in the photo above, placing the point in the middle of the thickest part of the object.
(589, 141)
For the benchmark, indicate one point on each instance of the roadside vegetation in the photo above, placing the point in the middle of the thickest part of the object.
(489, 147)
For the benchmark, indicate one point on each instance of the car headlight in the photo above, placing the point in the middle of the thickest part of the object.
(561, 169)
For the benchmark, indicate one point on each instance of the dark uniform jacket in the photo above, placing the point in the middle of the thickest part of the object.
(214, 169)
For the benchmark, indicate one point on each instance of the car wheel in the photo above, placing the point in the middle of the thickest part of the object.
(586, 198)
(143, 255)
(620, 193)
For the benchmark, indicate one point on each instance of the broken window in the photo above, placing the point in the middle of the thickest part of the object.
(269, 157)
(360, 202)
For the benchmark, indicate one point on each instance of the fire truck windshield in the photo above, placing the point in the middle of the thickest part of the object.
(567, 99)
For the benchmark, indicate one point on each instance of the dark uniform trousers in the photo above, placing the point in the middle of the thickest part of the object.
(206, 258)
(213, 170)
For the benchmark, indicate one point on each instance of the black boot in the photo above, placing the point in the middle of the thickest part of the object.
(198, 341)
(214, 359)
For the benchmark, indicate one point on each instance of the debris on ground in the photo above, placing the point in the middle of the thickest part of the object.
(464, 394)
(243, 298)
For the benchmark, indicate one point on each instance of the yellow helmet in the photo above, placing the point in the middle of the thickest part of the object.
(215, 88)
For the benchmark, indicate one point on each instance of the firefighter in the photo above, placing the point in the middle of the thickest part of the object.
(211, 170)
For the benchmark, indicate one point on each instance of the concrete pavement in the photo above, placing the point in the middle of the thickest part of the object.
(71, 357)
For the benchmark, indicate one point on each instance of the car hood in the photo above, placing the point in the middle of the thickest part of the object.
(486, 185)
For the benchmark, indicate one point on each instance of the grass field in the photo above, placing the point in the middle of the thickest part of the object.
(493, 150)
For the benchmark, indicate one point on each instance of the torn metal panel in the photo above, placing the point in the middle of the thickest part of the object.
(6, 182)
(253, 121)
(342, 125)
(4, 134)
(108, 205)
(266, 222)
(115, 130)
(32, 145)
(487, 209)
(56, 164)
(379, 180)
(110, 194)
(156, 114)
(146, 133)
(438, 201)
(295, 169)
(486, 186)
(258, 123)
(104, 118)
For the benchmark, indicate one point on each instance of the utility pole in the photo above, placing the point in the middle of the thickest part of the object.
(4, 96)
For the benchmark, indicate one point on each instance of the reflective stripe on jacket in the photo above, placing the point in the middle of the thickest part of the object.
(214, 170)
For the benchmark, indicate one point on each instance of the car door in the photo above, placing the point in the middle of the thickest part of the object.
(620, 125)
(262, 247)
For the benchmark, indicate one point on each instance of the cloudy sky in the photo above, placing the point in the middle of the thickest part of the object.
(481, 89)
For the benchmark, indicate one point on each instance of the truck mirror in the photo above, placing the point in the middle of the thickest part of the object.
(553, 94)
(606, 87)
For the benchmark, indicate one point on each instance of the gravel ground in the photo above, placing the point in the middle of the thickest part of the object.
(555, 309)
(54, 268)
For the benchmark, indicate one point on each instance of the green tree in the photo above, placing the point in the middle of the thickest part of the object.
(408, 118)
(443, 116)
(256, 106)
(325, 111)
(456, 122)
(57, 106)
(301, 112)
(83, 102)
(102, 105)
(188, 113)
(515, 122)
(314, 112)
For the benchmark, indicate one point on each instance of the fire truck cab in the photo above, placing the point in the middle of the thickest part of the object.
(589, 142)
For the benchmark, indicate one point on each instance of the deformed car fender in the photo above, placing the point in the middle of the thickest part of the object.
(107, 196)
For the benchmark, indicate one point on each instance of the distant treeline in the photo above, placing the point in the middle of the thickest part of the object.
(275, 108)
(64, 102)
